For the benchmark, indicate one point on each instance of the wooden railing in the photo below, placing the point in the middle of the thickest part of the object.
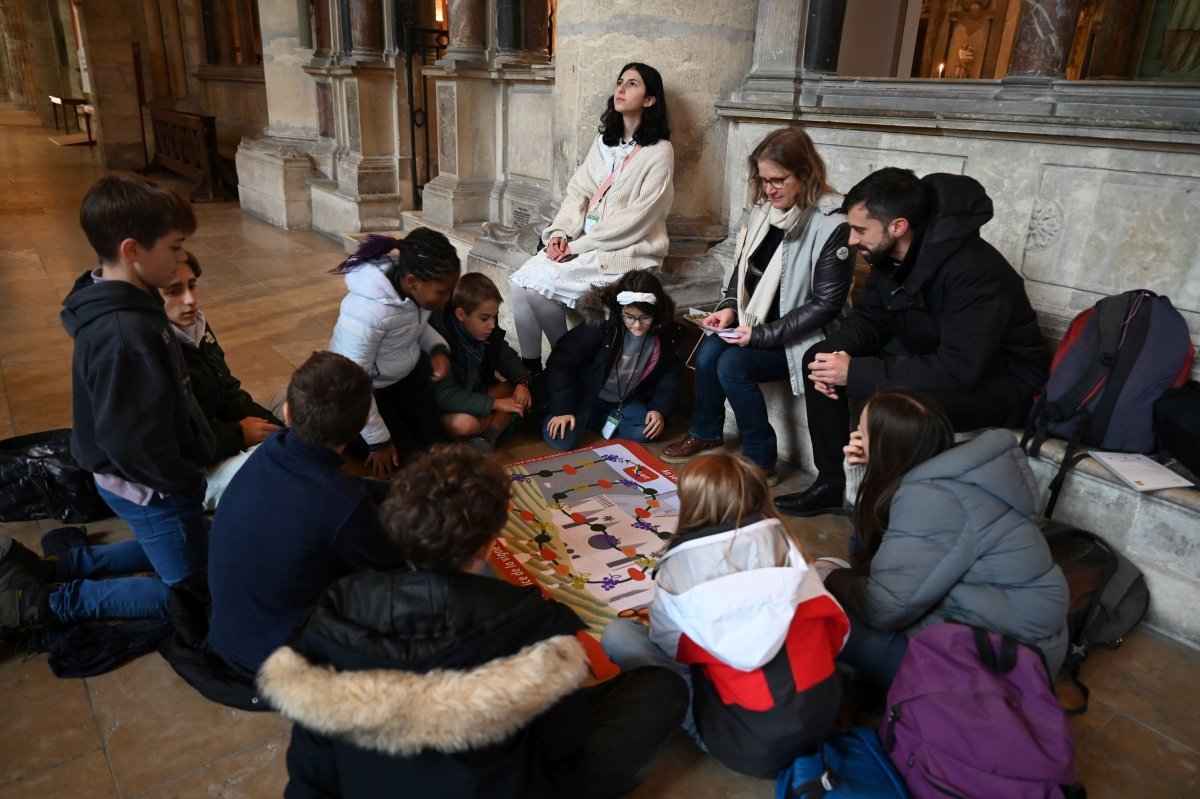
(187, 144)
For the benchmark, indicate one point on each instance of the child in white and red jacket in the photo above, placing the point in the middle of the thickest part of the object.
(739, 607)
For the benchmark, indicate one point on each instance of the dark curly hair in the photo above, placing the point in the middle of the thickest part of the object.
(654, 125)
(425, 254)
(639, 280)
(445, 505)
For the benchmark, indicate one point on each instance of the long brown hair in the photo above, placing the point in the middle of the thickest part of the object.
(720, 488)
(904, 430)
(794, 151)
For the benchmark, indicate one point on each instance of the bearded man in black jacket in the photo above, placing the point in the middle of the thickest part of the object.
(942, 312)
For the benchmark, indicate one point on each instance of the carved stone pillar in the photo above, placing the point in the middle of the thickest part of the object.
(823, 37)
(468, 28)
(366, 28)
(1043, 41)
(467, 168)
(792, 39)
(323, 46)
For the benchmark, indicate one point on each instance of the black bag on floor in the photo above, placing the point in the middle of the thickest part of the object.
(40, 480)
(1177, 424)
(1108, 595)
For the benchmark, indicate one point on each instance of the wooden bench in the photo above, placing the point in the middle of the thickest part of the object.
(187, 145)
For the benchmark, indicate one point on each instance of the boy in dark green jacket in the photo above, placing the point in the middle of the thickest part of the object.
(476, 403)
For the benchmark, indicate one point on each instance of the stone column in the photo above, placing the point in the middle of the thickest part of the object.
(274, 169)
(1044, 36)
(823, 37)
(792, 39)
(366, 29)
(109, 27)
(468, 29)
(466, 116)
(323, 46)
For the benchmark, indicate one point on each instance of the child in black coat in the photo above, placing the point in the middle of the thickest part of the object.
(618, 373)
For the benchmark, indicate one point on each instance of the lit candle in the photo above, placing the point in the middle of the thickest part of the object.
(941, 67)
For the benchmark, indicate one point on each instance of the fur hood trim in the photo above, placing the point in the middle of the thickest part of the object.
(592, 307)
(401, 713)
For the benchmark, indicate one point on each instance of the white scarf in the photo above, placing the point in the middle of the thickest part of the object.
(752, 310)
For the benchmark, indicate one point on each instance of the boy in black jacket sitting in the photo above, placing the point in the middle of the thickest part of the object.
(137, 427)
(476, 403)
(443, 682)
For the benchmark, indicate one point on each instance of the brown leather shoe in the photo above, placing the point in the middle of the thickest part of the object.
(687, 448)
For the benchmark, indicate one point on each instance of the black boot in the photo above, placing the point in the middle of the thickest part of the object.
(534, 365)
(817, 499)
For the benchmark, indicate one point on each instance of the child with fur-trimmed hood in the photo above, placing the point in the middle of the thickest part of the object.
(444, 682)
(618, 373)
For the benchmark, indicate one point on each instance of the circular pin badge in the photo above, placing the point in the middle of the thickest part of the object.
(843, 253)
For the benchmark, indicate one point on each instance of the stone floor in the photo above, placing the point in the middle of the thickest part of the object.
(141, 732)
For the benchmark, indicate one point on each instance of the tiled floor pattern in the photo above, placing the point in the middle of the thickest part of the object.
(141, 732)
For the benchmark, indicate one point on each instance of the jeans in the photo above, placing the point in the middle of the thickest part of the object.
(873, 653)
(632, 426)
(629, 645)
(170, 539)
(727, 371)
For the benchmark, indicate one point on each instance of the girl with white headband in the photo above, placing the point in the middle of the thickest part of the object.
(618, 373)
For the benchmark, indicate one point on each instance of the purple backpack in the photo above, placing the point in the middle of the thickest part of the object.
(972, 713)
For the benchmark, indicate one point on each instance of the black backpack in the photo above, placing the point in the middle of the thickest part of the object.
(1115, 360)
(1108, 595)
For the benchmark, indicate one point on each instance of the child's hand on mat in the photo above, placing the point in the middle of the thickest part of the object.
(255, 430)
(385, 461)
(654, 425)
(855, 454)
(440, 362)
(508, 405)
(558, 426)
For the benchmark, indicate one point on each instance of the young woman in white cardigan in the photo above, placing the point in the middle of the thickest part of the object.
(613, 218)
(788, 280)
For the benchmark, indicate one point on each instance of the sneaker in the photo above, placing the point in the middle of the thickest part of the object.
(24, 602)
(480, 444)
(13, 551)
(61, 540)
(687, 448)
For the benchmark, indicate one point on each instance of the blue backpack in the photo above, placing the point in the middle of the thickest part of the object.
(1115, 360)
(850, 765)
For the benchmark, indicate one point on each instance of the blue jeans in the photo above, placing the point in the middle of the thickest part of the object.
(873, 653)
(628, 644)
(170, 539)
(632, 426)
(727, 371)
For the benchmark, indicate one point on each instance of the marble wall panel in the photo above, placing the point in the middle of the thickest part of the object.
(1108, 230)
(530, 111)
(447, 127)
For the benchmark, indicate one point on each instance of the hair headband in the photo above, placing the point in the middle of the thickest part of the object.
(630, 297)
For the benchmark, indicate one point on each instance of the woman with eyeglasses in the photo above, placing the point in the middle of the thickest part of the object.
(789, 279)
(613, 218)
(618, 373)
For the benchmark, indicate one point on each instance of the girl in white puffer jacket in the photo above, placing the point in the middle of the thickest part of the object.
(384, 328)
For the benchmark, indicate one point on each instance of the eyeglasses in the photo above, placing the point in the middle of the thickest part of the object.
(775, 183)
(631, 320)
